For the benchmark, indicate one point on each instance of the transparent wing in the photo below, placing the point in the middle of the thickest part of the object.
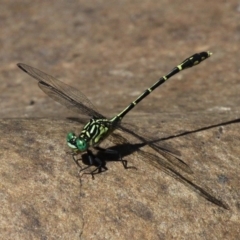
(163, 149)
(165, 166)
(207, 194)
(61, 92)
(130, 128)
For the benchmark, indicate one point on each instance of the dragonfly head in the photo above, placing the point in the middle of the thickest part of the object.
(76, 143)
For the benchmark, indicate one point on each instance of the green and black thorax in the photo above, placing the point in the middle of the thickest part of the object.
(97, 130)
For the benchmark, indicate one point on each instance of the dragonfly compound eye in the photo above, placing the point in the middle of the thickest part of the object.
(71, 140)
(81, 144)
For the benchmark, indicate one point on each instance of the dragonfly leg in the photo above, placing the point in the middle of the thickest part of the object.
(75, 159)
(93, 161)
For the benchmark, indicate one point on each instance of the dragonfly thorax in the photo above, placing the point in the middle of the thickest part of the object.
(92, 134)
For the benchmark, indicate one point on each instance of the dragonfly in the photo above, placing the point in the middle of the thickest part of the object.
(98, 128)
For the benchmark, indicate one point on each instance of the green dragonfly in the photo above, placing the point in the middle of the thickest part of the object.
(99, 127)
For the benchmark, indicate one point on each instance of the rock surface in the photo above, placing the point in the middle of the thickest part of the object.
(112, 51)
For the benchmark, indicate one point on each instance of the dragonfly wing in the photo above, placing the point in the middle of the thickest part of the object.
(165, 150)
(66, 100)
(61, 92)
(162, 165)
(165, 166)
(129, 128)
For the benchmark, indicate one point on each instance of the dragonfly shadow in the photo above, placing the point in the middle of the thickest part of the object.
(202, 129)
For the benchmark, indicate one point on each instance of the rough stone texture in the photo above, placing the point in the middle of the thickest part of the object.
(112, 51)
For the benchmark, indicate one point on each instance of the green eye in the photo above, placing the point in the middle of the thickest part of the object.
(76, 143)
(81, 144)
(71, 140)
(71, 136)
